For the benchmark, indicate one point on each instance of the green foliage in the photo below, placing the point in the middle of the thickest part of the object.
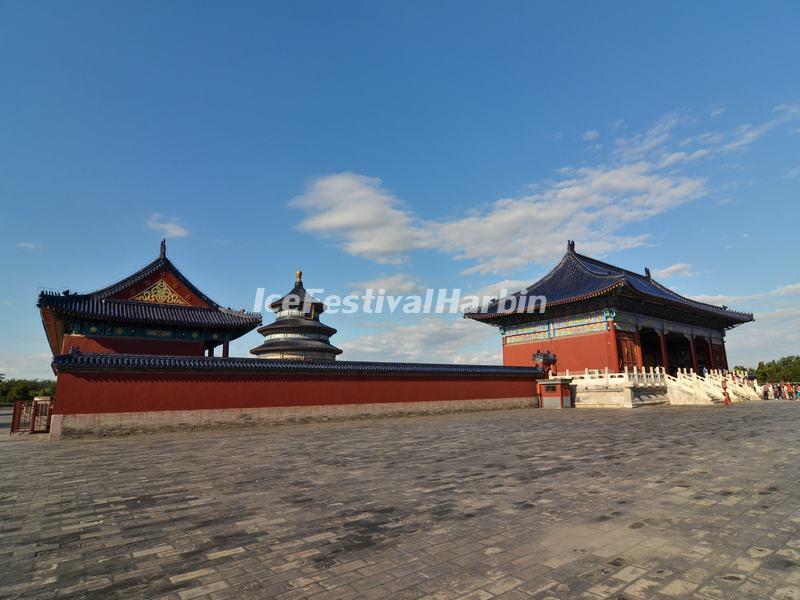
(783, 369)
(25, 389)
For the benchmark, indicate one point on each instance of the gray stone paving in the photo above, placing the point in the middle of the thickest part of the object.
(649, 503)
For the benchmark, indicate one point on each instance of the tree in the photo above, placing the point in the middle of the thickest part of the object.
(25, 389)
(786, 368)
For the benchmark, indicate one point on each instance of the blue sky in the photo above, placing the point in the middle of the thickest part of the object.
(417, 144)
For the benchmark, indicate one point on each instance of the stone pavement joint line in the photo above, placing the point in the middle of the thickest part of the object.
(694, 502)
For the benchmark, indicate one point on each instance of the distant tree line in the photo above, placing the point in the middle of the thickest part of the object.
(782, 369)
(25, 389)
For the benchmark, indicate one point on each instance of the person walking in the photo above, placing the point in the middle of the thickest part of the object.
(765, 391)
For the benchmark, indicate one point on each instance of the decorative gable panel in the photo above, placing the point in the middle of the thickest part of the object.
(160, 293)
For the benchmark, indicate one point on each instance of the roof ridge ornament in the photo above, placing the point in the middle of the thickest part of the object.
(298, 276)
(570, 245)
(163, 252)
(647, 273)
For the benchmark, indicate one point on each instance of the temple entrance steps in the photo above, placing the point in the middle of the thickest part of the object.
(687, 387)
(740, 388)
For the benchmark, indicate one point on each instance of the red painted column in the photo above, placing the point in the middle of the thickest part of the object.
(639, 359)
(612, 330)
(662, 339)
(225, 349)
(694, 352)
(710, 349)
(724, 357)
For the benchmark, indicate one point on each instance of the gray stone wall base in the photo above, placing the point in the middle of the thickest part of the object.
(610, 397)
(106, 424)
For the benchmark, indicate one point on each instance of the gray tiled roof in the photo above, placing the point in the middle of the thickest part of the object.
(577, 277)
(77, 361)
(101, 306)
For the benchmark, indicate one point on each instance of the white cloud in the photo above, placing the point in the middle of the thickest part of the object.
(590, 135)
(619, 124)
(716, 299)
(588, 204)
(709, 138)
(716, 112)
(169, 226)
(641, 145)
(28, 246)
(788, 111)
(363, 215)
(641, 178)
(18, 365)
(774, 333)
(673, 158)
(676, 270)
(501, 288)
(792, 173)
(434, 339)
(747, 134)
(792, 289)
(394, 285)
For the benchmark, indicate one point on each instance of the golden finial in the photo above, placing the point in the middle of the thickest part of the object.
(298, 277)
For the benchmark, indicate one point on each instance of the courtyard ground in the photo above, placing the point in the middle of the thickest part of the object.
(647, 503)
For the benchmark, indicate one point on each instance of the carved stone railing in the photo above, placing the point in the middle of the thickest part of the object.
(652, 377)
(685, 387)
(738, 384)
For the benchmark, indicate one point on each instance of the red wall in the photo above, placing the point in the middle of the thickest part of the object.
(110, 392)
(121, 345)
(576, 353)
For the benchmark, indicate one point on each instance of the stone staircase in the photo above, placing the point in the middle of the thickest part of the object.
(687, 387)
(653, 396)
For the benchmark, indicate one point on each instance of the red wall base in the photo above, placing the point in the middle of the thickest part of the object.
(121, 345)
(576, 353)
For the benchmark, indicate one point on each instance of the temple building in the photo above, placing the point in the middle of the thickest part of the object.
(138, 355)
(297, 333)
(599, 316)
(157, 310)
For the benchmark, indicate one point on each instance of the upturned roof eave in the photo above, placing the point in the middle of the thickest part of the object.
(295, 346)
(245, 321)
(581, 298)
(735, 318)
(620, 277)
(279, 325)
